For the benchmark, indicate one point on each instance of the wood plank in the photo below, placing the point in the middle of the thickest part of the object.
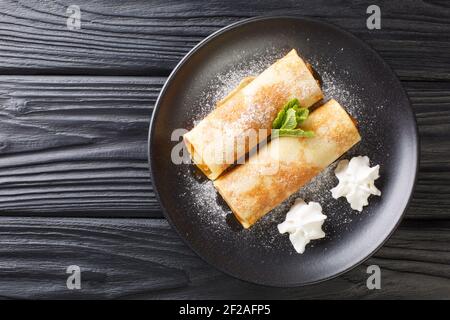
(431, 104)
(77, 146)
(150, 37)
(144, 258)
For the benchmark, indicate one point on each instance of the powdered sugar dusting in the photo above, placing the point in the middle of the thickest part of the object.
(211, 209)
(224, 83)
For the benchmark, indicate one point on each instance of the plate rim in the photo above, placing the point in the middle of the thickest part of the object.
(237, 24)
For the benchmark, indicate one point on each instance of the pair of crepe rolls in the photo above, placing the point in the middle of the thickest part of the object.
(285, 164)
(244, 118)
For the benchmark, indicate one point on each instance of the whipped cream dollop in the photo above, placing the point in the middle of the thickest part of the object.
(303, 223)
(356, 181)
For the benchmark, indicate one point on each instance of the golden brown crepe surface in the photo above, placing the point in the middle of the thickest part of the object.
(286, 164)
(220, 136)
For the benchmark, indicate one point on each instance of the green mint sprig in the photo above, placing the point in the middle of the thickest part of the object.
(288, 119)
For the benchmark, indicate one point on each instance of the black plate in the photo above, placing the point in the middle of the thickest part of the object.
(354, 75)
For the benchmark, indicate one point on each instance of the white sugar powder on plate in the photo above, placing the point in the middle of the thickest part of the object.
(226, 82)
(212, 211)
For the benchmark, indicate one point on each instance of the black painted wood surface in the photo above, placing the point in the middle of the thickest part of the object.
(74, 114)
(149, 37)
(144, 258)
(77, 146)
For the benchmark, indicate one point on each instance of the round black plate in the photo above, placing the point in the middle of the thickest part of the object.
(353, 74)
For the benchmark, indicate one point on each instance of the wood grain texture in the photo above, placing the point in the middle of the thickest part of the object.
(150, 37)
(77, 146)
(144, 258)
(431, 104)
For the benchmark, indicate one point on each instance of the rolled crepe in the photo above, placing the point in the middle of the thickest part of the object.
(285, 164)
(225, 135)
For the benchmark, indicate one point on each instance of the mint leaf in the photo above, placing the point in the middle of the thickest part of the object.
(287, 120)
(291, 103)
(277, 123)
(279, 119)
(301, 114)
(292, 133)
(290, 121)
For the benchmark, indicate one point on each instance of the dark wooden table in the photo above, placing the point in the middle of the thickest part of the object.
(75, 107)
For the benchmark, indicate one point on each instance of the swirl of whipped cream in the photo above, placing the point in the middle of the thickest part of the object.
(356, 181)
(303, 223)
